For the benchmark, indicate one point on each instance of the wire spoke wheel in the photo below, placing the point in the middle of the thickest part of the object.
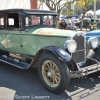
(51, 73)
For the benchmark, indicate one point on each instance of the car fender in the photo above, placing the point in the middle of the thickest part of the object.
(94, 53)
(61, 54)
(97, 53)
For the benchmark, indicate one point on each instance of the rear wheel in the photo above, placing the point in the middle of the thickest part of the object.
(53, 73)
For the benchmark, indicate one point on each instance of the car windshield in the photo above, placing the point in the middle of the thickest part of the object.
(39, 20)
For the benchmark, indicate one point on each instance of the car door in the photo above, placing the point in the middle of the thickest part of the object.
(3, 35)
(14, 39)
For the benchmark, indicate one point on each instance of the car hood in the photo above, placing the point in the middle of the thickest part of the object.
(95, 33)
(53, 32)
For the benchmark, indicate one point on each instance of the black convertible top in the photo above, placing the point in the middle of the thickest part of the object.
(31, 11)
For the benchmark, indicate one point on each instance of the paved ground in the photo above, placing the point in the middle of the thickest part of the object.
(17, 84)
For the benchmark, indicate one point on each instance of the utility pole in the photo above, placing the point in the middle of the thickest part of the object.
(94, 11)
(88, 4)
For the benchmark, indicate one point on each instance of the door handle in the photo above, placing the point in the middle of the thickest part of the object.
(21, 45)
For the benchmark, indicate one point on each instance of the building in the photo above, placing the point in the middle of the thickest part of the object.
(9, 4)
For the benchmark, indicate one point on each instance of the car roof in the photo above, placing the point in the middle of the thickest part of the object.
(32, 11)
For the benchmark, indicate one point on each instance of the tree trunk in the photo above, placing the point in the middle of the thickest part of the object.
(82, 19)
(82, 22)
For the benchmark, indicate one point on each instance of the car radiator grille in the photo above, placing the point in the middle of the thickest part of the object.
(79, 55)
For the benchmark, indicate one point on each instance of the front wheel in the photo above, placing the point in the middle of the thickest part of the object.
(53, 73)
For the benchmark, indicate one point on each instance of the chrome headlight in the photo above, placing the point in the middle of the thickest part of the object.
(70, 45)
(93, 42)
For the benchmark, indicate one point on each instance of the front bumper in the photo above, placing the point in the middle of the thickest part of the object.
(85, 71)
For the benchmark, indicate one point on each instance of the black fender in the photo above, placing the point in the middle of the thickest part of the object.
(94, 53)
(61, 54)
(97, 53)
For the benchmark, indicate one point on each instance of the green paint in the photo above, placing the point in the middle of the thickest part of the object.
(34, 42)
(3, 40)
(33, 39)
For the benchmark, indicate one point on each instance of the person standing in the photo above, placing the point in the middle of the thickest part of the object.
(72, 23)
(63, 24)
(67, 22)
(58, 23)
(47, 21)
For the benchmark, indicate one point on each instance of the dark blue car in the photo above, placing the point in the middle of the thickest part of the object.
(93, 53)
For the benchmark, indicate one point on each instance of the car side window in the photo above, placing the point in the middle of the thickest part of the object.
(39, 20)
(31, 20)
(1, 20)
(13, 21)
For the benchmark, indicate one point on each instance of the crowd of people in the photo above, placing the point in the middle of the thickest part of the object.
(67, 24)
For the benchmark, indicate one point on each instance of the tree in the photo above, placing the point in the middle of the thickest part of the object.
(84, 5)
(56, 5)
(67, 10)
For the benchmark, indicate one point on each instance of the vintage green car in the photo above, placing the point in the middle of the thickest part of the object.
(30, 39)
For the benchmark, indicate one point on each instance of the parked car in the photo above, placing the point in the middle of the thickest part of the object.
(29, 39)
(86, 23)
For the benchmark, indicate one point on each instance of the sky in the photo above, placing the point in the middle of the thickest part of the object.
(44, 7)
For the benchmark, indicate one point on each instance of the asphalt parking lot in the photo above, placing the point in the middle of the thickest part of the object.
(17, 84)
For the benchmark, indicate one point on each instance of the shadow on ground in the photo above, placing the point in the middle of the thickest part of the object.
(27, 83)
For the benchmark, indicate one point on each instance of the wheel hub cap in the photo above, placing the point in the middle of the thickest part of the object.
(51, 73)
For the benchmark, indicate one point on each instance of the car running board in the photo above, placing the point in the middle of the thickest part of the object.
(15, 62)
